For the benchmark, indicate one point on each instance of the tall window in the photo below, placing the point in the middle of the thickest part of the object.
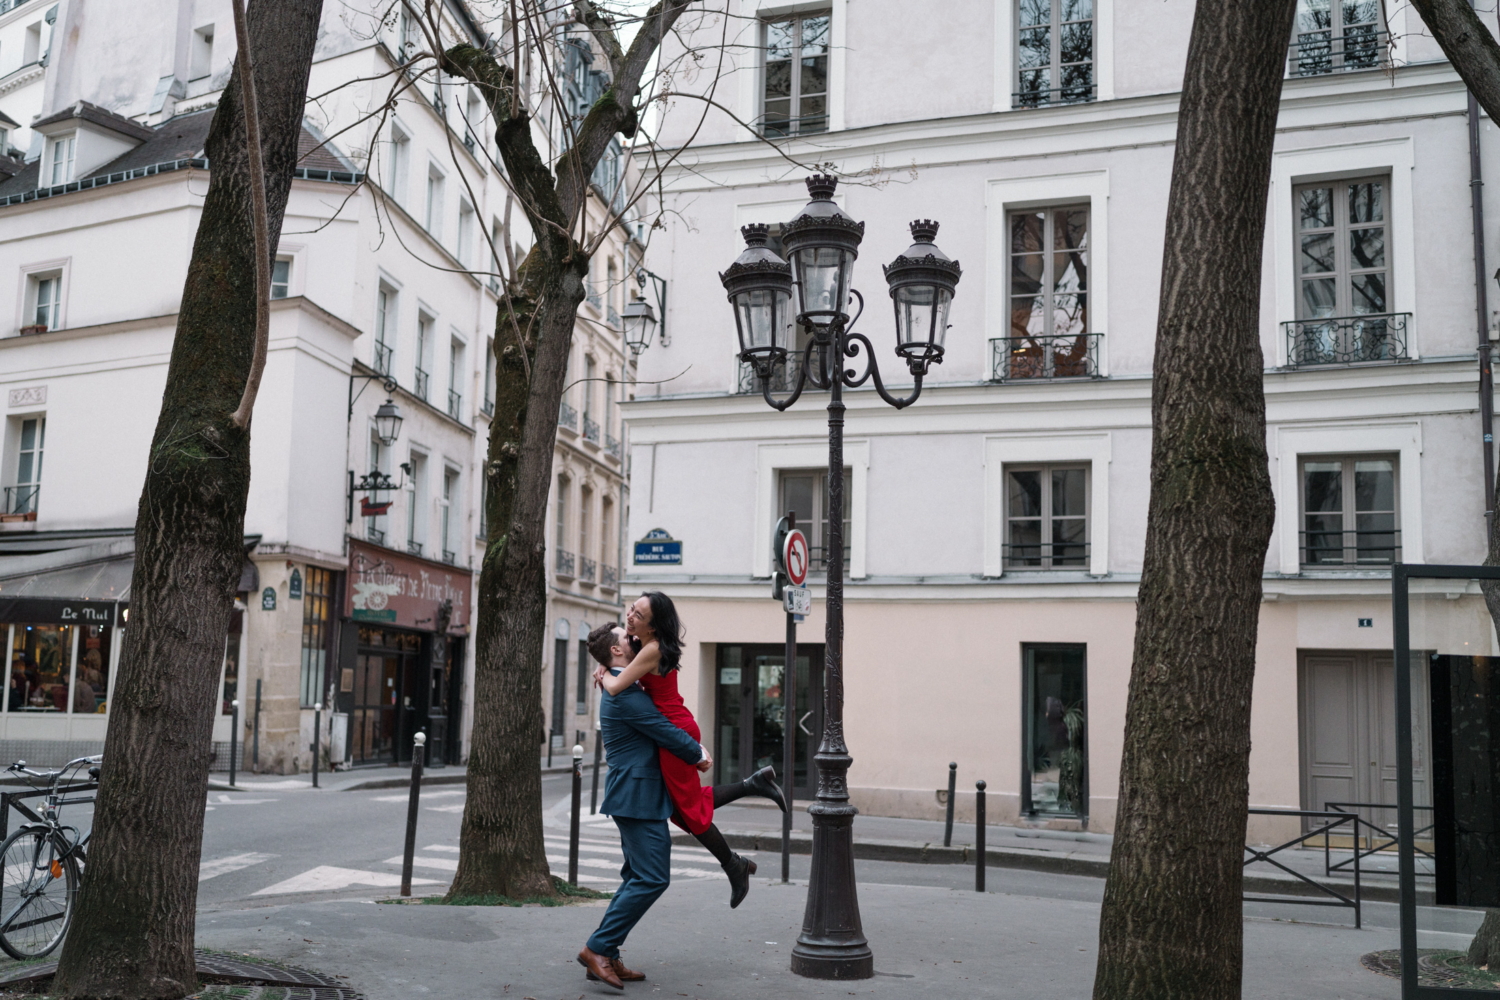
(465, 248)
(585, 513)
(559, 676)
(796, 77)
(609, 405)
(1334, 35)
(1054, 52)
(433, 212)
(373, 530)
(805, 492)
(455, 379)
(400, 163)
(317, 626)
(1343, 301)
(1046, 517)
(450, 491)
(589, 367)
(416, 504)
(385, 329)
(489, 375)
(564, 558)
(48, 292)
(421, 376)
(22, 498)
(1055, 730)
(1349, 511)
(1049, 317)
(61, 158)
(201, 61)
(281, 277)
(581, 703)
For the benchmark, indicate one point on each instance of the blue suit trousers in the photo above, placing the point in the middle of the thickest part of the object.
(646, 873)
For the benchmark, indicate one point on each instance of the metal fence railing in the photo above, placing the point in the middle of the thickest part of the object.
(1322, 824)
(1372, 837)
(1346, 340)
(1013, 359)
(1335, 547)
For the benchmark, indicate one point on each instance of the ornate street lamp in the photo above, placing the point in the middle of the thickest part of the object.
(822, 243)
(388, 423)
(640, 324)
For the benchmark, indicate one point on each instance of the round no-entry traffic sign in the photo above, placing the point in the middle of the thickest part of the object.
(794, 557)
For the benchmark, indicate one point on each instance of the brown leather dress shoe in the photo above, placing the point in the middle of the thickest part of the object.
(600, 968)
(626, 975)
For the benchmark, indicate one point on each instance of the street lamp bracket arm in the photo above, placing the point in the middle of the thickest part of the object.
(852, 341)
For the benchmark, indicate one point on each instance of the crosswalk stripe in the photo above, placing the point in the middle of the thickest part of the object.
(406, 796)
(687, 854)
(441, 847)
(233, 863)
(446, 864)
(562, 859)
(326, 878)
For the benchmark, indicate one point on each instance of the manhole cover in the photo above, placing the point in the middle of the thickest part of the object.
(1435, 967)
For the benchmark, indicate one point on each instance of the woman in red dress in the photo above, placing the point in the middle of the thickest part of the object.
(655, 634)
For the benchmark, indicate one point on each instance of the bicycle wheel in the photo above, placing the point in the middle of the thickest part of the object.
(38, 884)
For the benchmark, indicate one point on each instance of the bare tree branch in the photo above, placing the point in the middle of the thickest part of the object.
(259, 224)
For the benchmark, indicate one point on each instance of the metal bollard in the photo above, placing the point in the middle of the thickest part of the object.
(952, 791)
(317, 729)
(979, 836)
(598, 760)
(577, 805)
(234, 728)
(255, 746)
(419, 744)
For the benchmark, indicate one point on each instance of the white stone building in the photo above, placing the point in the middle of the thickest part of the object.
(995, 529)
(382, 289)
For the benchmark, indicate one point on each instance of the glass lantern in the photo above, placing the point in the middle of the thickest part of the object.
(922, 280)
(639, 320)
(388, 423)
(759, 284)
(821, 243)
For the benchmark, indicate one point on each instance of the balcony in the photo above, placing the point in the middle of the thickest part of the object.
(590, 430)
(567, 417)
(1346, 340)
(415, 548)
(487, 407)
(455, 405)
(565, 564)
(1079, 90)
(375, 535)
(448, 557)
(420, 383)
(1316, 53)
(612, 447)
(612, 316)
(383, 359)
(1351, 549)
(608, 578)
(1045, 555)
(586, 568)
(783, 377)
(1013, 359)
(21, 502)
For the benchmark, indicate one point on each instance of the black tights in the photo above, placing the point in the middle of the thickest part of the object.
(714, 841)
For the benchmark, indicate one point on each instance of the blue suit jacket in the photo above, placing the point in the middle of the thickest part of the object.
(634, 729)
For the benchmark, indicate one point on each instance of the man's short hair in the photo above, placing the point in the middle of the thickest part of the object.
(600, 640)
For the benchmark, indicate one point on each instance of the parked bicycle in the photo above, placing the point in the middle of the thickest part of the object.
(43, 863)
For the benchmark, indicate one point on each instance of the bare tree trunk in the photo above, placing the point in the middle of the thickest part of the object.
(133, 933)
(1171, 921)
(500, 846)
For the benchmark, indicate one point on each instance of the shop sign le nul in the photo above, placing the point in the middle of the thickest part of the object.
(397, 590)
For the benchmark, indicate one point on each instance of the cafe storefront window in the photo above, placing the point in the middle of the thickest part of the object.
(61, 655)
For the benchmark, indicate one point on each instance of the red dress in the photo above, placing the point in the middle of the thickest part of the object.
(694, 802)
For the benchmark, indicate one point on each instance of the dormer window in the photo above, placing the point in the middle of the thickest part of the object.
(60, 152)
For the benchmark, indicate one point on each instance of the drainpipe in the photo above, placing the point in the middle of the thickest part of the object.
(1481, 307)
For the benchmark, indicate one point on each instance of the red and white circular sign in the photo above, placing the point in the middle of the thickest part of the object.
(794, 557)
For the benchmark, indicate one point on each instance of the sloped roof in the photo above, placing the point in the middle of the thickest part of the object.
(95, 115)
(8, 121)
(22, 181)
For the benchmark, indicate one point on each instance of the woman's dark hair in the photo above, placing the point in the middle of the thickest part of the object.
(667, 628)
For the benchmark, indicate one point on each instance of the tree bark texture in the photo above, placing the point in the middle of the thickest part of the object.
(133, 932)
(500, 845)
(1171, 920)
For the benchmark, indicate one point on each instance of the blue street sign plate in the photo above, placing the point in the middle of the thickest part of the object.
(658, 548)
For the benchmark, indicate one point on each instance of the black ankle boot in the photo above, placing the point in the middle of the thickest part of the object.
(739, 871)
(763, 783)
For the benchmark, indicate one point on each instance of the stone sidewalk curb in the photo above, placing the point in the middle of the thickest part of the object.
(1055, 862)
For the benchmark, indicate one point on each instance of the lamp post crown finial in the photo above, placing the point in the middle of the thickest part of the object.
(822, 186)
(757, 234)
(924, 230)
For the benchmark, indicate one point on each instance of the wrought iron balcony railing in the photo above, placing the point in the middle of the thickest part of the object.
(22, 499)
(415, 548)
(590, 430)
(1073, 93)
(564, 564)
(608, 578)
(1333, 549)
(612, 445)
(487, 407)
(612, 316)
(783, 377)
(775, 128)
(383, 358)
(455, 405)
(420, 384)
(448, 557)
(567, 417)
(1015, 358)
(1346, 340)
(1045, 555)
(586, 567)
(375, 535)
(1314, 53)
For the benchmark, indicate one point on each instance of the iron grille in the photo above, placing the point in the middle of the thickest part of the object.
(1041, 357)
(608, 577)
(1315, 53)
(1077, 93)
(455, 404)
(567, 417)
(1046, 555)
(564, 563)
(22, 499)
(383, 359)
(414, 547)
(586, 567)
(1351, 547)
(590, 430)
(1346, 340)
(419, 384)
(612, 445)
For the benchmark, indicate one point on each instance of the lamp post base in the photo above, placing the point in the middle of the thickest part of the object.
(832, 944)
(833, 961)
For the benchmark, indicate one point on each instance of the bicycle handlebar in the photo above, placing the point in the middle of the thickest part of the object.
(19, 767)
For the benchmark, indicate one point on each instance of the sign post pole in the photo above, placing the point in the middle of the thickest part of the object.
(789, 550)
